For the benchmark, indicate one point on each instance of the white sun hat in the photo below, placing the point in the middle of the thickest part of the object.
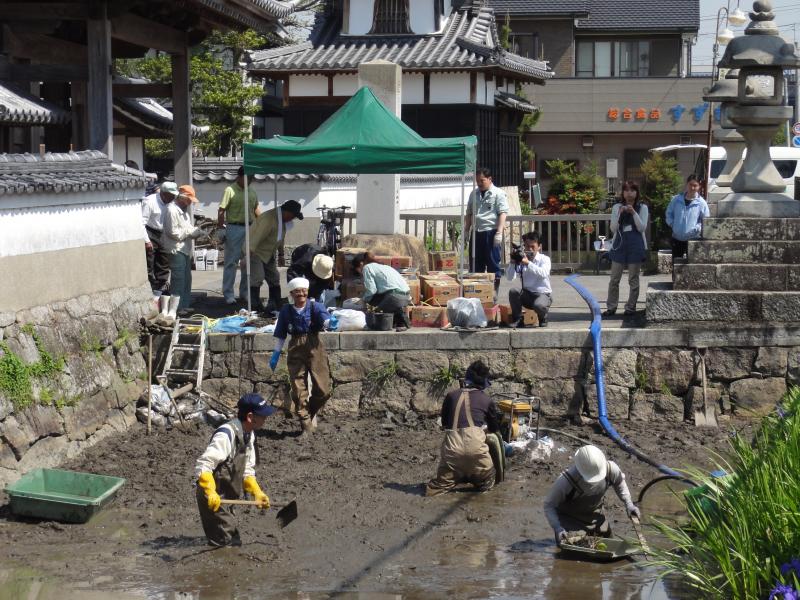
(298, 283)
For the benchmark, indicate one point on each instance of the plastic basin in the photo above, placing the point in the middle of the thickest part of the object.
(60, 495)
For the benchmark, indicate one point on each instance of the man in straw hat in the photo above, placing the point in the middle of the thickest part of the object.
(303, 319)
(179, 231)
(311, 262)
(575, 502)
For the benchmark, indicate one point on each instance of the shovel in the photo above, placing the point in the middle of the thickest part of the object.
(707, 417)
(637, 526)
(285, 515)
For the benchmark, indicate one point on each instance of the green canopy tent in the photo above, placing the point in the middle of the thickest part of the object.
(361, 137)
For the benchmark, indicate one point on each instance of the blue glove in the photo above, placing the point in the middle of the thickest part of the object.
(273, 362)
(333, 323)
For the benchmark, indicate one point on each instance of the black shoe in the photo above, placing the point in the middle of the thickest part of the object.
(610, 312)
(542, 322)
(628, 312)
(516, 324)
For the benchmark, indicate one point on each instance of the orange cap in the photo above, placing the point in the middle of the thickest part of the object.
(187, 191)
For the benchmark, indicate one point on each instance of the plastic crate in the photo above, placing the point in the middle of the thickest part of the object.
(60, 495)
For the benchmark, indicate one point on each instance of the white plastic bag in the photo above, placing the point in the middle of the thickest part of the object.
(350, 320)
(160, 400)
(466, 312)
(540, 449)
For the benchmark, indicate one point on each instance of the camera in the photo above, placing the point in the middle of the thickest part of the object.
(518, 253)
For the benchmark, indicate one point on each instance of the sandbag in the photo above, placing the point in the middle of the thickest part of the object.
(466, 312)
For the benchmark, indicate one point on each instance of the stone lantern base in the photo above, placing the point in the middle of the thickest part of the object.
(758, 206)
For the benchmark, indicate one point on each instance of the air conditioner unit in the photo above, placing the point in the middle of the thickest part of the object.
(686, 139)
(587, 141)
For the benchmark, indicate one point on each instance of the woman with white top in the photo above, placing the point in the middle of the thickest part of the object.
(628, 246)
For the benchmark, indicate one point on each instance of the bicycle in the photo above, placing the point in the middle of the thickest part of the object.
(329, 236)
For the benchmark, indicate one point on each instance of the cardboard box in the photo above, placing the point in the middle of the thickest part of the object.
(436, 275)
(529, 317)
(397, 262)
(414, 290)
(478, 277)
(212, 259)
(438, 292)
(492, 314)
(482, 290)
(429, 316)
(443, 261)
(343, 264)
(200, 260)
(351, 288)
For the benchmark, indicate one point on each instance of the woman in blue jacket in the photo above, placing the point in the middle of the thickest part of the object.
(628, 246)
(685, 215)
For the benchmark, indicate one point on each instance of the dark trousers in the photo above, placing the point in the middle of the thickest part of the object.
(219, 527)
(487, 255)
(157, 263)
(679, 248)
(533, 300)
(391, 302)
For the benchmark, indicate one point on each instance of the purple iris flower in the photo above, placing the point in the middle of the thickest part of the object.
(784, 592)
(792, 565)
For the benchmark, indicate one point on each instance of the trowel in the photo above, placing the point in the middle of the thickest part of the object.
(285, 515)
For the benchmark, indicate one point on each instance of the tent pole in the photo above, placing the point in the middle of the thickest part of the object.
(246, 273)
(463, 237)
(474, 226)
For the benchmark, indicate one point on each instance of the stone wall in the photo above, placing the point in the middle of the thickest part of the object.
(650, 373)
(94, 370)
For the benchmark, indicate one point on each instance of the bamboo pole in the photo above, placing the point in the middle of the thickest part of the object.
(149, 378)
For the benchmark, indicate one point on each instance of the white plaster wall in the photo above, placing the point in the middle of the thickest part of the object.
(421, 16)
(361, 12)
(43, 226)
(413, 91)
(345, 85)
(308, 85)
(491, 88)
(481, 90)
(119, 150)
(136, 150)
(449, 88)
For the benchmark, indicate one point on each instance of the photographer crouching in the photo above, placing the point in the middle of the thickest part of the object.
(534, 269)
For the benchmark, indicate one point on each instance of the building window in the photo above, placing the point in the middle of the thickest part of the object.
(627, 58)
(633, 165)
(391, 16)
(525, 44)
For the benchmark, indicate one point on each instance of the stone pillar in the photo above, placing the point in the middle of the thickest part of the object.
(99, 113)
(378, 196)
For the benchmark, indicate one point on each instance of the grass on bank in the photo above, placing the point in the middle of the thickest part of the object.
(743, 539)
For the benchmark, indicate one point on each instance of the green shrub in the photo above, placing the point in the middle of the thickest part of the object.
(17, 377)
(577, 191)
(662, 181)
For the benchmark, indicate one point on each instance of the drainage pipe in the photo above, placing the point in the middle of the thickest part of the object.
(599, 377)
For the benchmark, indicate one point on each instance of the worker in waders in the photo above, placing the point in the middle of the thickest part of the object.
(574, 504)
(303, 319)
(465, 454)
(227, 468)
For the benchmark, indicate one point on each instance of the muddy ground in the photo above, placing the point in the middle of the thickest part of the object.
(364, 524)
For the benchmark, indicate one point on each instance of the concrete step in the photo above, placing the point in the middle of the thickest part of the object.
(744, 252)
(665, 304)
(734, 228)
(758, 277)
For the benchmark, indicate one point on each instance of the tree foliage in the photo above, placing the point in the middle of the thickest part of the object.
(221, 97)
(662, 181)
(574, 190)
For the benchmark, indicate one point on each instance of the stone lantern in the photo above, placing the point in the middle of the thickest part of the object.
(725, 91)
(761, 56)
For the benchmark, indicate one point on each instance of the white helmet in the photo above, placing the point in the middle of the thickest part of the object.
(591, 463)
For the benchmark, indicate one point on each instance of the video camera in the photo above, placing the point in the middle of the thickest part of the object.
(518, 253)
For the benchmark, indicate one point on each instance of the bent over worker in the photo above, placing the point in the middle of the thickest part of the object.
(227, 468)
(575, 502)
(465, 456)
(303, 320)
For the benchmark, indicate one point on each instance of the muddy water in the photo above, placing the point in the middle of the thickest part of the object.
(364, 528)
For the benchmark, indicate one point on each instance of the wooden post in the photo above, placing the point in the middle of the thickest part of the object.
(181, 119)
(99, 89)
(149, 379)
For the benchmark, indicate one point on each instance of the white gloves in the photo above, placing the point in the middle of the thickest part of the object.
(498, 238)
(633, 511)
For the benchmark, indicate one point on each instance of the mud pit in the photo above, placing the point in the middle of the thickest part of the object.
(364, 529)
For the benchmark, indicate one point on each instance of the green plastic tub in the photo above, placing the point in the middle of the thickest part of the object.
(59, 495)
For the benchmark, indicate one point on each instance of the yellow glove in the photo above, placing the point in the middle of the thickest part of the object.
(206, 481)
(251, 487)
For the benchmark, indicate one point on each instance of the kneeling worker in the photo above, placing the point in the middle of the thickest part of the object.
(465, 455)
(227, 467)
(311, 262)
(384, 288)
(575, 501)
(303, 320)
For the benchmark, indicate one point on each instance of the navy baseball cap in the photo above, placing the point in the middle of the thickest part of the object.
(255, 404)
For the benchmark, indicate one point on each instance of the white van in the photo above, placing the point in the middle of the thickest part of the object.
(786, 160)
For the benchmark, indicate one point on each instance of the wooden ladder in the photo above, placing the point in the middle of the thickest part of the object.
(191, 345)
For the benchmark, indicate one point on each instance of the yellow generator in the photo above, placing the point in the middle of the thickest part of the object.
(516, 417)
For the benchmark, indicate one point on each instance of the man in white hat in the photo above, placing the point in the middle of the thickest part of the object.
(575, 502)
(311, 262)
(154, 207)
(303, 319)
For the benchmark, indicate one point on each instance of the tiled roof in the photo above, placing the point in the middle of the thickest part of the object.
(547, 8)
(469, 41)
(150, 115)
(63, 172)
(257, 14)
(625, 15)
(21, 108)
(516, 102)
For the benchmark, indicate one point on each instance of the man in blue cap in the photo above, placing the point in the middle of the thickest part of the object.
(227, 468)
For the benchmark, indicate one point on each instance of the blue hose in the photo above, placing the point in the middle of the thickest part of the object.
(600, 375)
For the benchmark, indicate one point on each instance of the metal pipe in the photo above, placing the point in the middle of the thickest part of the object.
(463, 237)
(711, 104)
(247, 239)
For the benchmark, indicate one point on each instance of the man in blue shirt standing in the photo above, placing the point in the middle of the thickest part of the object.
(486, 210)
(303, 320)
(685, 215)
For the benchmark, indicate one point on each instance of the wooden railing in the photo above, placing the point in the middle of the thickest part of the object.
(567, 239)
